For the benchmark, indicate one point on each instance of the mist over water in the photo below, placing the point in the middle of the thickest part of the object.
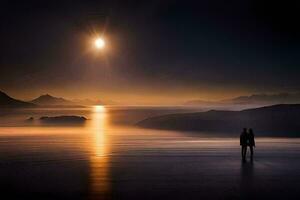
(108, 157)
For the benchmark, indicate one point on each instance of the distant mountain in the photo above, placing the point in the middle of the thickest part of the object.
(88, 102)
(250, 101)
(277, 120)
(48, 100)
(208, 105)
(201, 102)
(91, 102)
(9, 102)
(280, 98)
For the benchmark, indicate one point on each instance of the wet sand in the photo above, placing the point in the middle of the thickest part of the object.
(165, 165)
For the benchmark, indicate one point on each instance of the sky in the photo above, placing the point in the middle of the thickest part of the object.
(157, 52)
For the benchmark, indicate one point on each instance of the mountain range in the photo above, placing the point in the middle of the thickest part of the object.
(46, 101)
(43, 101)
(255, 100)
(280, 98)
(238, 103)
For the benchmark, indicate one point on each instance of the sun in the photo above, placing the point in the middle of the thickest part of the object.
(99, 43)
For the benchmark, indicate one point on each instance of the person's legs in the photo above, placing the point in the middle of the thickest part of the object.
(244, 151)
(251, 151)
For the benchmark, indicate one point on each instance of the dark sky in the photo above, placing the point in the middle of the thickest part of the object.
(157, 51)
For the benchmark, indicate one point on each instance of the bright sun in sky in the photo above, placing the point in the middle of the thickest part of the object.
(99, 43)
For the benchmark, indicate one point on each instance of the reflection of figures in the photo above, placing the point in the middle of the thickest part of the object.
(247, 184)
(247, 139)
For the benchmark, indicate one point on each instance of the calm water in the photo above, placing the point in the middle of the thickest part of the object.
(109, 158)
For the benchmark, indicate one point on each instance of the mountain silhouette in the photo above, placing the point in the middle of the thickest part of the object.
(280, 98)
(251, 100)
(48, 100)
(91, 102)
(9, 102)
(276, 120)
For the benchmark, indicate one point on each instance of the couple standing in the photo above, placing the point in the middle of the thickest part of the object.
(247, 140)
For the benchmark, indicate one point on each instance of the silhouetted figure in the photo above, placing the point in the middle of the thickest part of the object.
(250, 141)
(243, 143)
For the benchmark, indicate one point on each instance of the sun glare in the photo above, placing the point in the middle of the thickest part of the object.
(99, 108)
(99, 43)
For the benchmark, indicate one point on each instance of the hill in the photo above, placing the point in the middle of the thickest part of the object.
(279, 120)
(48, 100)
(9, 102)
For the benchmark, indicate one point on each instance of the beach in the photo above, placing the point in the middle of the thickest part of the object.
(101, 161)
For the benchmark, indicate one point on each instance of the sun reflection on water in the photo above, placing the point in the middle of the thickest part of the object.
(100, 178)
